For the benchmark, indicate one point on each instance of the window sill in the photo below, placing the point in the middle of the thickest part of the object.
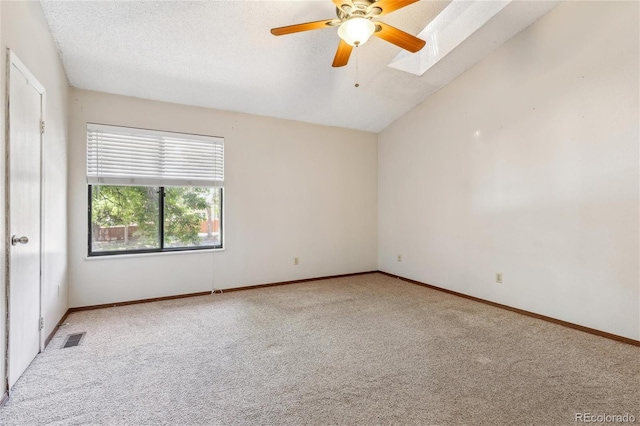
(158, 253)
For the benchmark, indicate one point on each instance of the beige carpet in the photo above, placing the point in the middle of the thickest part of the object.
(362, 350)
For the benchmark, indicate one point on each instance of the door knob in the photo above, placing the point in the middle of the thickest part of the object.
(15, 240)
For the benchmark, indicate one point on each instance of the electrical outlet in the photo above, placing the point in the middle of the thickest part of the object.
(499, 277)
(399, 258)
(296, 260)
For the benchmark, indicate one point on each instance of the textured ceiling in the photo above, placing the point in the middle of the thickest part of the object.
(220, 54)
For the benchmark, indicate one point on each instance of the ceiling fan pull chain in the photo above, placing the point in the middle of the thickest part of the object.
(357, 57)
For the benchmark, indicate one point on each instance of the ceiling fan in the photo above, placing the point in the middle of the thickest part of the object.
(356, 23)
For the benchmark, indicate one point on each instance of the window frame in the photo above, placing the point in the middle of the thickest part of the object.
(161, 232)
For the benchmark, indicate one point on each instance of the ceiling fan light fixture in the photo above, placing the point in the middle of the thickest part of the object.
(356, 31)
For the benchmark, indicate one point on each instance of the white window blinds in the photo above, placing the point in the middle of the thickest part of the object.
(128, 156)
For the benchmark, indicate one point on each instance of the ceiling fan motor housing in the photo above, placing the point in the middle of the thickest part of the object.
(361, 9)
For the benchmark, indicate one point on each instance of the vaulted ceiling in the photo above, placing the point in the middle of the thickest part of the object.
(220, 54)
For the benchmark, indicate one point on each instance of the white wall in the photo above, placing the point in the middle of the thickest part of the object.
(527, 164)
(25, 31)
(3, 249)
(291, 190)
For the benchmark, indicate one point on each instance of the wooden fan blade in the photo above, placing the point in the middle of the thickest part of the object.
(399, 38)
(308, 26)
(388, 6)
(342, 54)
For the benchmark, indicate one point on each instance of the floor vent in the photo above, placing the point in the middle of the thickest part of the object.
(73, 340)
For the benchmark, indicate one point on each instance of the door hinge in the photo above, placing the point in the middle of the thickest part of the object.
(41, 323)
(42, 126)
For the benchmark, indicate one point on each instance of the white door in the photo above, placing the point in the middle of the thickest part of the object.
(24, 218)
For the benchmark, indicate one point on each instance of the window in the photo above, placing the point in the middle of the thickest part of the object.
(152, 191)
